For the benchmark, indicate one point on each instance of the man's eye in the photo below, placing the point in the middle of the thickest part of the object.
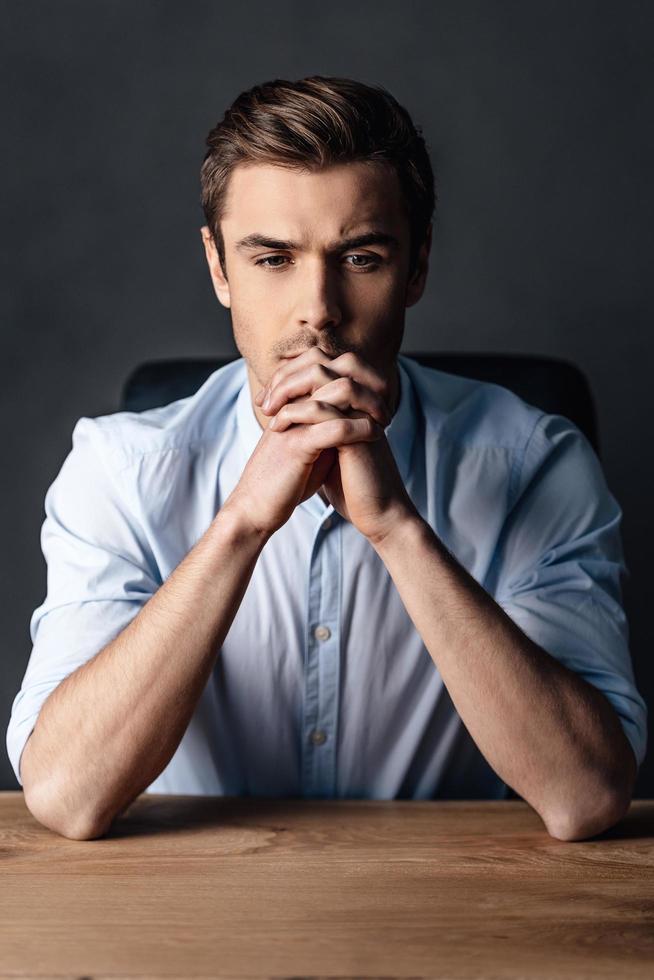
(372, 261)
(267, 259)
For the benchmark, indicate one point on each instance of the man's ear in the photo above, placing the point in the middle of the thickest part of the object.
(219, 280)
(416, 285)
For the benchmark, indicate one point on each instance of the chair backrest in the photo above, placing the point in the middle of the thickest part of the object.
(553, 385)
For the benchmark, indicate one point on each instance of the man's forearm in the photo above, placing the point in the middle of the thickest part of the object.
(548, 733)
(111, 727)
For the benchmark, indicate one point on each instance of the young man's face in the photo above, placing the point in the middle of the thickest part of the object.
(305, 286)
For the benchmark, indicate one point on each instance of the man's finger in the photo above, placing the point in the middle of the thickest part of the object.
(309, 412)
(346, 394)
(348, 364)
(318, 380)
(303, 381)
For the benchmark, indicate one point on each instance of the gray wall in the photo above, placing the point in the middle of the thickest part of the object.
(539, 120)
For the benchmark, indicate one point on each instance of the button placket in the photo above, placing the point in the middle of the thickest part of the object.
(322, 667)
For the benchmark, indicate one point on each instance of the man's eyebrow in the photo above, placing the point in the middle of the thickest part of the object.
(257, 240)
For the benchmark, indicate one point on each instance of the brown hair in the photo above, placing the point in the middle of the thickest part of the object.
(313, 123)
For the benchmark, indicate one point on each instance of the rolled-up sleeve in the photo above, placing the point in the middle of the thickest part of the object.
(100, 573)
(562, 562)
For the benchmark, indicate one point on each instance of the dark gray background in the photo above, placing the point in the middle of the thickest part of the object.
(538, 117)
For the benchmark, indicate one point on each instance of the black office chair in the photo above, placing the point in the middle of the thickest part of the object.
(553, 385)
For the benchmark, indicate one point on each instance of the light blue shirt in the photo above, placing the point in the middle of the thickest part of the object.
(323, 687)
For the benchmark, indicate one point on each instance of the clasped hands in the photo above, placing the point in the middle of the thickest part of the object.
(363, 484)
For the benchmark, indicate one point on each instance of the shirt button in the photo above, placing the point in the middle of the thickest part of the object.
(327, 523)
(322, 632)
(318, 737)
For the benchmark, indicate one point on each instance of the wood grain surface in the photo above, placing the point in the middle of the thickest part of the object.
(186, 886)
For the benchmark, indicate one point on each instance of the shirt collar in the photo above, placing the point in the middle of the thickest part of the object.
(399, 432)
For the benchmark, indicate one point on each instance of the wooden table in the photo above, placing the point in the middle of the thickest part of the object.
(247, 887)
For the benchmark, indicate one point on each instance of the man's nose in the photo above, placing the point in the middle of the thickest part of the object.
(319, 294)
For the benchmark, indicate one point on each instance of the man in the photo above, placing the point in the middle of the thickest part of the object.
(331, 571)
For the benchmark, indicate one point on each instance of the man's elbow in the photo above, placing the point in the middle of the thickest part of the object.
(600, 811)
(571, 825)
(55, 818)
(85, 831)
